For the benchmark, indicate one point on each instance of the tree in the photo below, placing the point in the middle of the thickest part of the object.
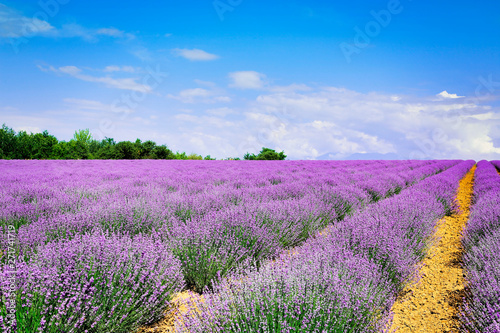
(163, 153)
(80, 144)
(249, 157)
(108, 141)
(147, 149)
(62, 151)
(194, 156)
(79, 150)
(8, 142)
(83, 136)
(126, 150)
(180, 156)
(43, 145)
(266, 154)
(106, 149)
(106, 153)
(271, 154)
(24, 146)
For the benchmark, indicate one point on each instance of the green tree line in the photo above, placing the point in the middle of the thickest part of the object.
(43, 145)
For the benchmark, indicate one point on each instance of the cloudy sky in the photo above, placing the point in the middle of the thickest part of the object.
(317, 79)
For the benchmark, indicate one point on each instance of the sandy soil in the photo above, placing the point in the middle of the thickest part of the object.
(179, 308)
(432, 303)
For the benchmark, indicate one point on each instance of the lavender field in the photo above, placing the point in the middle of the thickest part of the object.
(273, 246)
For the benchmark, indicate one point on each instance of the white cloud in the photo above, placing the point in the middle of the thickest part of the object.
(205, 83)
(85, 104)
(142, 53)
(350, 122)
(220, 112)
(110, 32)
(186, 117)
(70, 70)
(74, 30)
(223, 99)
(195, 54)
(113, 32)
(8, 108)
(209, 94)
(199, 95)
(125, 84)
(14, 25)
(122, 83)
(127, 69)
(142, 120)
(290, 88)
(247, 80)
(205, 121)
(485, 116)
(445, 94)
(191, 95)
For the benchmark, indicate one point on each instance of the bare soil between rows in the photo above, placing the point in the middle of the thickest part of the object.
(432, 303)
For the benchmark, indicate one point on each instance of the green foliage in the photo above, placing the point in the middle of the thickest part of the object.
(126, 150)
(162, 152)
(266, 154)
(194, 157)
(146, 148)
(25, 146)
(180, 156)
(83, 136)
(83, 146)
(8, 142)
(43, 144)
(79, 150)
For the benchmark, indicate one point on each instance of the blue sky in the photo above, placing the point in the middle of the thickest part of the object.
(317, 79)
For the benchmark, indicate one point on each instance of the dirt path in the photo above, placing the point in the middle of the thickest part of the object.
(179, 308)
(432, 303)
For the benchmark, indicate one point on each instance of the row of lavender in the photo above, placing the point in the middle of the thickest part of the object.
(103, 245)
(482, 253)
(29, 191)
(345, 281)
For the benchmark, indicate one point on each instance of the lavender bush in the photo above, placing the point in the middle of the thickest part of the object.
(94, 283)
(482, 253)
(302, 293)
